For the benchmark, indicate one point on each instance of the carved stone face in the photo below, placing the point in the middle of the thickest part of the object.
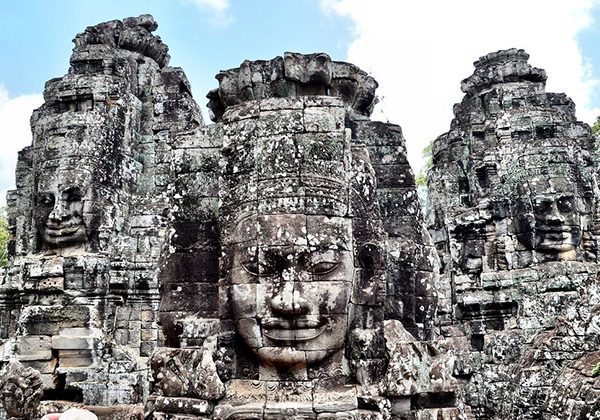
(59, 208)
(290, 287)
(550, 219)
(557, 223)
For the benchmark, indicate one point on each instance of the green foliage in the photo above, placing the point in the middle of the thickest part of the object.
(427, 153)
(4, 237)
(421, 179)
(596, 127)
(596, 369)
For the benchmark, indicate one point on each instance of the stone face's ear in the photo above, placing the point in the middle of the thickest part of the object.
(371, 257)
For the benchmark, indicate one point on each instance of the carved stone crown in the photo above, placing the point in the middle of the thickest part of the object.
(294, 74)
(501, 67)
(132, 34)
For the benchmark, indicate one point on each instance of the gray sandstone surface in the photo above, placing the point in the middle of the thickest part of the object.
(277, 263)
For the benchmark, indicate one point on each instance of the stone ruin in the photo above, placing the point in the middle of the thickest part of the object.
(512, 212)
(277, 264)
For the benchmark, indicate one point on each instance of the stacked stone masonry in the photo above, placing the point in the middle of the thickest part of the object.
(512, 212)
(277, 263)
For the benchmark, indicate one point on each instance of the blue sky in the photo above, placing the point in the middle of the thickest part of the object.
(418, 51)
(589, 42)
(35, 35)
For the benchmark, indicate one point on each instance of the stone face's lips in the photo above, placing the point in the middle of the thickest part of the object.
(298, 334)
(62, 230)
(558, 234)
(292, 323)
(563, 228)
(295, 329)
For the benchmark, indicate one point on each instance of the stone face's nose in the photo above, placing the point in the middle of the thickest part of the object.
(554, 215)
(59, 211)
(288, 301)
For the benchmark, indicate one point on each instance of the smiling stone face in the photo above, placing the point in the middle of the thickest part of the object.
(290, 287)
(557, 222)
(60, 207)
(297, 209)
(549, 219)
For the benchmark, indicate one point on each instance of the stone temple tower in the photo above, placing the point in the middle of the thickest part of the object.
(306, 212)
(90, 217)
(512, 213)
(277, 264)
(273, 262)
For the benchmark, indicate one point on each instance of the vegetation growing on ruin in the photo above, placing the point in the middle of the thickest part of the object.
(596, 127)
(596, 369)
(427, 154)
(3, 238)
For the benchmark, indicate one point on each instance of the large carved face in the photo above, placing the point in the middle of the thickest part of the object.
(549, 220)
(290, 286)
(59, 207)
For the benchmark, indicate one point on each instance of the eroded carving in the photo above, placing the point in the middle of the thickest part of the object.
(60, 207)
(278, 258)
(89, 219)
(306, 214)
(512, 212)
(289, 294)
(547, 216)
(21, 389)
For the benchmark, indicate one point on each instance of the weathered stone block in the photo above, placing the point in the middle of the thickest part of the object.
(33, 347)
(191, 297)
(309, 69)
(49, 320)
(74, 358)
(323, 120)
(60, 342)
(200, 266)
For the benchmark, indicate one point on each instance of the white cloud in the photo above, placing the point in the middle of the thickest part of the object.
(216, 5)
(219, 9)
(16, 134)
(420, 51)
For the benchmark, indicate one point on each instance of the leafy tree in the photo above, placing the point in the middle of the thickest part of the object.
(596, 369)
(596, 134)
(421, 179)
(596, 127)
(427, 153)
(4, 236)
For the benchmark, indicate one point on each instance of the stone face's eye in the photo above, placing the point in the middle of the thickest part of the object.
(566, 204)
(72, 194)
(45, 199)
(542, 206)
(259, 269)
(323, 267)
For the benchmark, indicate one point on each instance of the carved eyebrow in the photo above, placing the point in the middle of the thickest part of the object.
(331, 237)
(325, 246)
(71, 190)
(45, 197)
